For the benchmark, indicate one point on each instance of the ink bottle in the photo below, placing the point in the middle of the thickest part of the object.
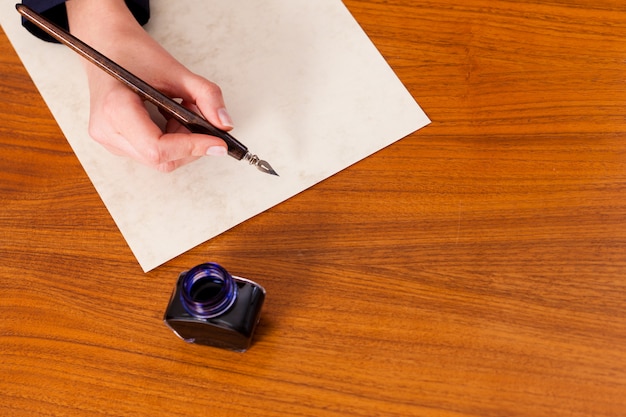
(210, 307)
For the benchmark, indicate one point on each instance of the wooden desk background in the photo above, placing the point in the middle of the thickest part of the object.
(476, 268)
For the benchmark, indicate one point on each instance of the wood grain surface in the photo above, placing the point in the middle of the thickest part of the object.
(475, 268)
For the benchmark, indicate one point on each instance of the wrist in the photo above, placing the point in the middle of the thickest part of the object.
(101, 22)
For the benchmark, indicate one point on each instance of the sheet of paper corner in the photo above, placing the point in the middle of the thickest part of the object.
(307, 89)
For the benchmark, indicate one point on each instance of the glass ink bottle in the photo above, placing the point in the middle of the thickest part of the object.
(210, 307)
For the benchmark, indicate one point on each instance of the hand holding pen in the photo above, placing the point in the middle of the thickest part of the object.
(119, 119)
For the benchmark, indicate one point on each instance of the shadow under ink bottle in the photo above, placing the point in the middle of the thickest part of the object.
(210, 307)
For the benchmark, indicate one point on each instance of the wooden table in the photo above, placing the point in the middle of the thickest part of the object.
(475, 268)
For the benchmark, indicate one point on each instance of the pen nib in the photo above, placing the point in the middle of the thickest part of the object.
(260, 164)
(266, 167)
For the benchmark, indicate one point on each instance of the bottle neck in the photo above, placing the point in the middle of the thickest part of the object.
(208, 290)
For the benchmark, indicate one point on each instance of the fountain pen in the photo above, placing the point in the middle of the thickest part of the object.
(191, 120)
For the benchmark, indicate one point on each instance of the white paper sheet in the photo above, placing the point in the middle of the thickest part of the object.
(307, 89)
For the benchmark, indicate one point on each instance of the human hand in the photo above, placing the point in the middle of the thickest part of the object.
(119, 119)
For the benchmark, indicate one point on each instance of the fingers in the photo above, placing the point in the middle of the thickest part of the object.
(154, 148)
(208, 98)
(122, 124)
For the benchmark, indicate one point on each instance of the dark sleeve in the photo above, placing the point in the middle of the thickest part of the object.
(54, 10)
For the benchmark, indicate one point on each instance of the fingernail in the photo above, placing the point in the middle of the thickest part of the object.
(216, 151)
(225, 117)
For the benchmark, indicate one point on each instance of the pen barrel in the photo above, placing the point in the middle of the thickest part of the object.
(236, 149)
